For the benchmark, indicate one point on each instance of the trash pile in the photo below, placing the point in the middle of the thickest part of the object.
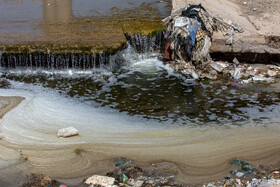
(189, 36)
(128, 174)
(247, 176)
(190, 30)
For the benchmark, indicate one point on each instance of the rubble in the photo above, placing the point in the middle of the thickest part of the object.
(247, 176)
(129, 174)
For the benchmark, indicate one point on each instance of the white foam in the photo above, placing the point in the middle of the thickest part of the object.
(43, 112)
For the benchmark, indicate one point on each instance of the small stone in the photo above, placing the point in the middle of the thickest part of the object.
(100, 180)
(254, 9)
(67, 132)
(271, 73)
(216, 66)
(138, 183)
(244, 3)
(239, 174)
(235, 61)
(210, 185)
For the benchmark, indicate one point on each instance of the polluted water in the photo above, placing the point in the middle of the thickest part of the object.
(134, 107)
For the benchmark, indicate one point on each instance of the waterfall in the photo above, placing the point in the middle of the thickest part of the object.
(141, 43)
(147, 43)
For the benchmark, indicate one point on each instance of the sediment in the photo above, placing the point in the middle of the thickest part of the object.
(8, 103)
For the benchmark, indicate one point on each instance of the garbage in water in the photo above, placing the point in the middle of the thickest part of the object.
(67, 132)
(120, 161)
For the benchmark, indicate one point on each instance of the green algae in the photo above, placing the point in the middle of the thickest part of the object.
(60, 49)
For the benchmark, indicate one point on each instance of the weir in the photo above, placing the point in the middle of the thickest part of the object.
(83, 60)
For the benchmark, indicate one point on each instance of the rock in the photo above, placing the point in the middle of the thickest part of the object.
(67, 132)
(252, 72)
(235, 61)
(138, 183)
(210, 185)
(271, 73)
(216, 66)
(100, 180)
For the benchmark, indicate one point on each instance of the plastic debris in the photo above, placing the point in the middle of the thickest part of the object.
(236, 74)
(124, 178)
(100, 180)
(67, 132)
(121, 161)
(229, 40)
(239, 174)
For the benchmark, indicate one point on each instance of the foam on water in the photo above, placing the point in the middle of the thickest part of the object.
(37, 119)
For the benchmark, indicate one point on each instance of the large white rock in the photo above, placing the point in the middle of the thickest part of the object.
(67, 132)
(100, 180)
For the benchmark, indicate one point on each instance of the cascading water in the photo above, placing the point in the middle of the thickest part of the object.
(55, 61)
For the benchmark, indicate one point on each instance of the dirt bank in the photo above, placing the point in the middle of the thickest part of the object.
(258, 18)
